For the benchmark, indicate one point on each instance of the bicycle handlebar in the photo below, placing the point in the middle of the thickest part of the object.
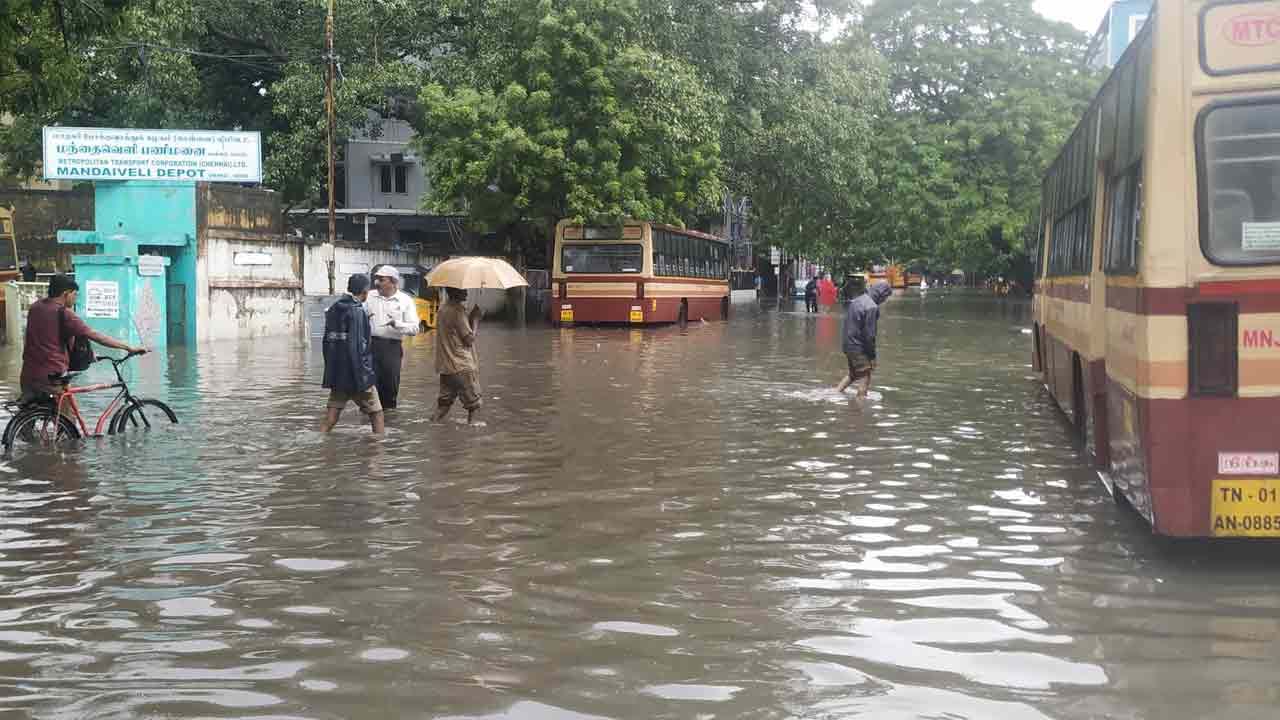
(117, 361)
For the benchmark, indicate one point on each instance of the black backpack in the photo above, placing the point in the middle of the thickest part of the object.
(79, 352)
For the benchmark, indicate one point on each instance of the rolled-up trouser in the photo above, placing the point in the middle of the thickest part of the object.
(859, 372)
(387, 356)
(463, 386)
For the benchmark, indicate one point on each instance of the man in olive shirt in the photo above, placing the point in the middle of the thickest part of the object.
(456, 355)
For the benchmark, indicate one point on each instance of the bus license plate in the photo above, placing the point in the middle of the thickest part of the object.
(566, 315)
(637, 314)
(1245, 508)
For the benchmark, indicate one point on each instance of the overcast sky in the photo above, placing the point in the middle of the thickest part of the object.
(1084, 14)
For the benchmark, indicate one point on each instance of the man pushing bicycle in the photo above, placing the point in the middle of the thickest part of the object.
(51, 326)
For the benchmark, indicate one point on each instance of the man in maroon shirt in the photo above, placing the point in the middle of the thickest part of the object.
(51, 325)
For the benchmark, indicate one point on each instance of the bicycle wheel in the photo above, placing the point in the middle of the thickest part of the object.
(142, 415)
(39, 428)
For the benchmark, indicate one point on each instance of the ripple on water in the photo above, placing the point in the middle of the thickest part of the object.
(384, 654)
(312, 564)
(529, 710)
(684, 691)
(635, 628)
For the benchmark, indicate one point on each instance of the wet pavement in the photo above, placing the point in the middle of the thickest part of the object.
(662, 523)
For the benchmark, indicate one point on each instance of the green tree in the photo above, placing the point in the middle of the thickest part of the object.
(567, 115)
(991, 90)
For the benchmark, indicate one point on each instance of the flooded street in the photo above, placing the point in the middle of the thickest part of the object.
(662, 523)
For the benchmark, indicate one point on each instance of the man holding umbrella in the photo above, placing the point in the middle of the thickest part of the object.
(456, 359)
(456, 355)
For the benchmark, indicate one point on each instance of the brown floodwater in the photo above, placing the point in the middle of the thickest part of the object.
(659, 523)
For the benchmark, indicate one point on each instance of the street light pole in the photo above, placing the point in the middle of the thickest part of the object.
(332, 131)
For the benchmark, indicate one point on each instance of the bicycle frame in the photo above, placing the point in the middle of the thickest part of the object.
(68, 399)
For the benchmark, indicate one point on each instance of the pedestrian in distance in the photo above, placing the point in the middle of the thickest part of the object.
(348, 357)
(28, 270)
(826, 291)
(811, 295)
(859, 345)
(456, 359)
(394, 316)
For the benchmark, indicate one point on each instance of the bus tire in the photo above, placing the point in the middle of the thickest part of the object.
(724, 308)
(683, 316)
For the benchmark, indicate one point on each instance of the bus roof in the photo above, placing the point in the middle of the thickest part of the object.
(657, 226)
(1130, 52)
(690, 233)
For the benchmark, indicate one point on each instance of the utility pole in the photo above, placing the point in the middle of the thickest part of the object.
(331, 114)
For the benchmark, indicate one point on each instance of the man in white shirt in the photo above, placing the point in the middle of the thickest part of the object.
(394, 317)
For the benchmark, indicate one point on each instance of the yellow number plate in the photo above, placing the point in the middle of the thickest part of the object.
(637, 316)
(566, 316)
(1245, 508)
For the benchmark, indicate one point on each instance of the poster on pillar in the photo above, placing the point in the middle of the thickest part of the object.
(102, 299)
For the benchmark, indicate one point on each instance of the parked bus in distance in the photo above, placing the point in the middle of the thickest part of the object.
(638, 273)
(1157, 309)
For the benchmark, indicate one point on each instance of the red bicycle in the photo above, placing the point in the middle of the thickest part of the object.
(50, 421)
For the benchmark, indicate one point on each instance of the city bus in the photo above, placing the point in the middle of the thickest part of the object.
(1157, 307)
(638, 273)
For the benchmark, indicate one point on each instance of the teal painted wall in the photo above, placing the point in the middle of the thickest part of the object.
(139, 316)
(150, 218)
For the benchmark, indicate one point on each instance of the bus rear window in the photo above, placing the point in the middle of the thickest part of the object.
(1240, 184)
(602, 259)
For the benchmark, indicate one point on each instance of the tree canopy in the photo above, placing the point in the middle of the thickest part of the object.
(908, 130)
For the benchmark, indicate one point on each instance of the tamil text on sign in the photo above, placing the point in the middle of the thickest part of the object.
(123, 154)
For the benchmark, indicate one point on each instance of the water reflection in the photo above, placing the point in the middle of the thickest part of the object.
(660, 523)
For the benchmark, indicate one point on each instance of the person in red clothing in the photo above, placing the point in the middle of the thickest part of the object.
(826, 291)
(51, 325)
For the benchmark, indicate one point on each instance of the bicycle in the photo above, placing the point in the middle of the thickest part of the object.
(47, 422)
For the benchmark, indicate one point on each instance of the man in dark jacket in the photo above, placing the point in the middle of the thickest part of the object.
(348, 357)
(811, 295)
(859, 345)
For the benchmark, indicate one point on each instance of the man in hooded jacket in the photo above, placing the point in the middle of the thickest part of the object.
(348, 357)
(859, 344)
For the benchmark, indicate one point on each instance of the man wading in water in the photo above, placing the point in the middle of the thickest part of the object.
(860, 337)
(348, 358)
(456, 355)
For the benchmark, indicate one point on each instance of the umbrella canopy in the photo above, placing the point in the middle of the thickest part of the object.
(475, 272)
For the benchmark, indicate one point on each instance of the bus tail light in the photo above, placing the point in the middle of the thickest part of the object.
(1213, 352)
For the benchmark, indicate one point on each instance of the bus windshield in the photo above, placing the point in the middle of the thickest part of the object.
(600, 259)
(1241, 153)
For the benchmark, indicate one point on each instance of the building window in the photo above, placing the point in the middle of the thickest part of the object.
(401, 179)
(384, 172)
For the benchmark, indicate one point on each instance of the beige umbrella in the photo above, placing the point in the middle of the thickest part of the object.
(475, 272)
